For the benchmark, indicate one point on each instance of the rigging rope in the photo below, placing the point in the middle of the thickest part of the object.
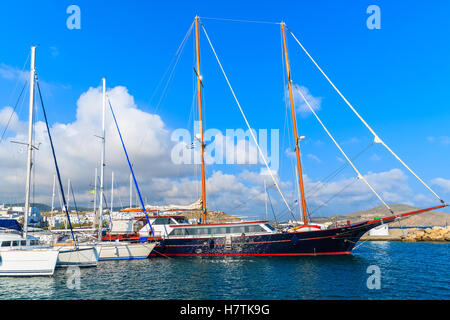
(360, 176)
(13, 110)
(376, 137)
(246, 121)
(55, 162)
(239, 20)
(131, 168)
(321, 183)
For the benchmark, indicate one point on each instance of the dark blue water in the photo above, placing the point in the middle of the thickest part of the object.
(406, 271)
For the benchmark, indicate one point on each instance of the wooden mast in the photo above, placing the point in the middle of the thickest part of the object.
(296, 139)
(199, 89)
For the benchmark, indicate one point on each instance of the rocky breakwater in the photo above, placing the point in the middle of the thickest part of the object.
(429, 234)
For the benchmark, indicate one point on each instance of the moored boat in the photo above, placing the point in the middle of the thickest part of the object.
(179, 238)
(20, 253)
(23, 256)
(85, 256)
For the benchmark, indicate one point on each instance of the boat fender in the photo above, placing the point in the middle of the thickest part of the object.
(294, 240)
(211, 243)
(143, 239)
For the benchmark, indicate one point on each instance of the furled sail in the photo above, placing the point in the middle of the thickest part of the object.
(197, 205)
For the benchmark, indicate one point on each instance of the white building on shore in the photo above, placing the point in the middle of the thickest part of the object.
(13, 212)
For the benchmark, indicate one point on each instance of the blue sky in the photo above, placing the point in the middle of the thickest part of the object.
(396, 77)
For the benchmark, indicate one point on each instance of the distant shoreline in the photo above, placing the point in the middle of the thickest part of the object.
(412, 234)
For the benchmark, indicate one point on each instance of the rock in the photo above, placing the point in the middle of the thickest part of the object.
(436, 237)
(426, 237)
(429, 234)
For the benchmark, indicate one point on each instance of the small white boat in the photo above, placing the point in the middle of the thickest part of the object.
(72, 256)
(123, 250)
(23, 256)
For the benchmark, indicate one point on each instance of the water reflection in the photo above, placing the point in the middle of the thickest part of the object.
(29, 288)
(408, 271)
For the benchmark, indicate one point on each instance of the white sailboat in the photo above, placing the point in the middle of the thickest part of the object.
(115, 250)
(68, 254)
(21, 254)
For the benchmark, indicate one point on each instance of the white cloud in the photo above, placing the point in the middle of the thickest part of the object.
(78, 150)
(161, 181)
(352, 194)
(314, 157)
(300, 106)
(444, 184)
(443, 140)
(12, 73)
(375, 157)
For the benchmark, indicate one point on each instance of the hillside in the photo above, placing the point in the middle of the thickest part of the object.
(432, 218)
(213, 216)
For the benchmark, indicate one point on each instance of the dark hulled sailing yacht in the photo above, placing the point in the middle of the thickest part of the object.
(178, 237)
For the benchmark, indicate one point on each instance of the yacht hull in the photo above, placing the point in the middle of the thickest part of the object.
(123, 250)
(80, 257)
(37, 262)
(337, 241)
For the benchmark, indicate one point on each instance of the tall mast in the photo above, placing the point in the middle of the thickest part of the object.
(112, 193)
(53, 193)
(102, 165)
(68, 194)
(68, 201)
(131, 191)
(296, 139)
(199, 88)
(95, 194)
(265, 199)
(30, 141)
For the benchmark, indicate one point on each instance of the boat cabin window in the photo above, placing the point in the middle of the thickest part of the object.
(23, 242)
(161, 221)
(15, 243)
(6, 243)
(216, 230)
(34, 242)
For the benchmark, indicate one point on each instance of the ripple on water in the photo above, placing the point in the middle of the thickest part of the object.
(408, 271)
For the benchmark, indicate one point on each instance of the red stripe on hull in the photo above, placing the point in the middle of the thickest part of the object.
(253, 254)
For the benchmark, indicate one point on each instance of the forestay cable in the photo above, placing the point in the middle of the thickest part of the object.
(131, 168)
(360, 176)
(376, 137)
(246, 122)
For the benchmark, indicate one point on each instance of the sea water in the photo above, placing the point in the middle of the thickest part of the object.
(374, 270)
